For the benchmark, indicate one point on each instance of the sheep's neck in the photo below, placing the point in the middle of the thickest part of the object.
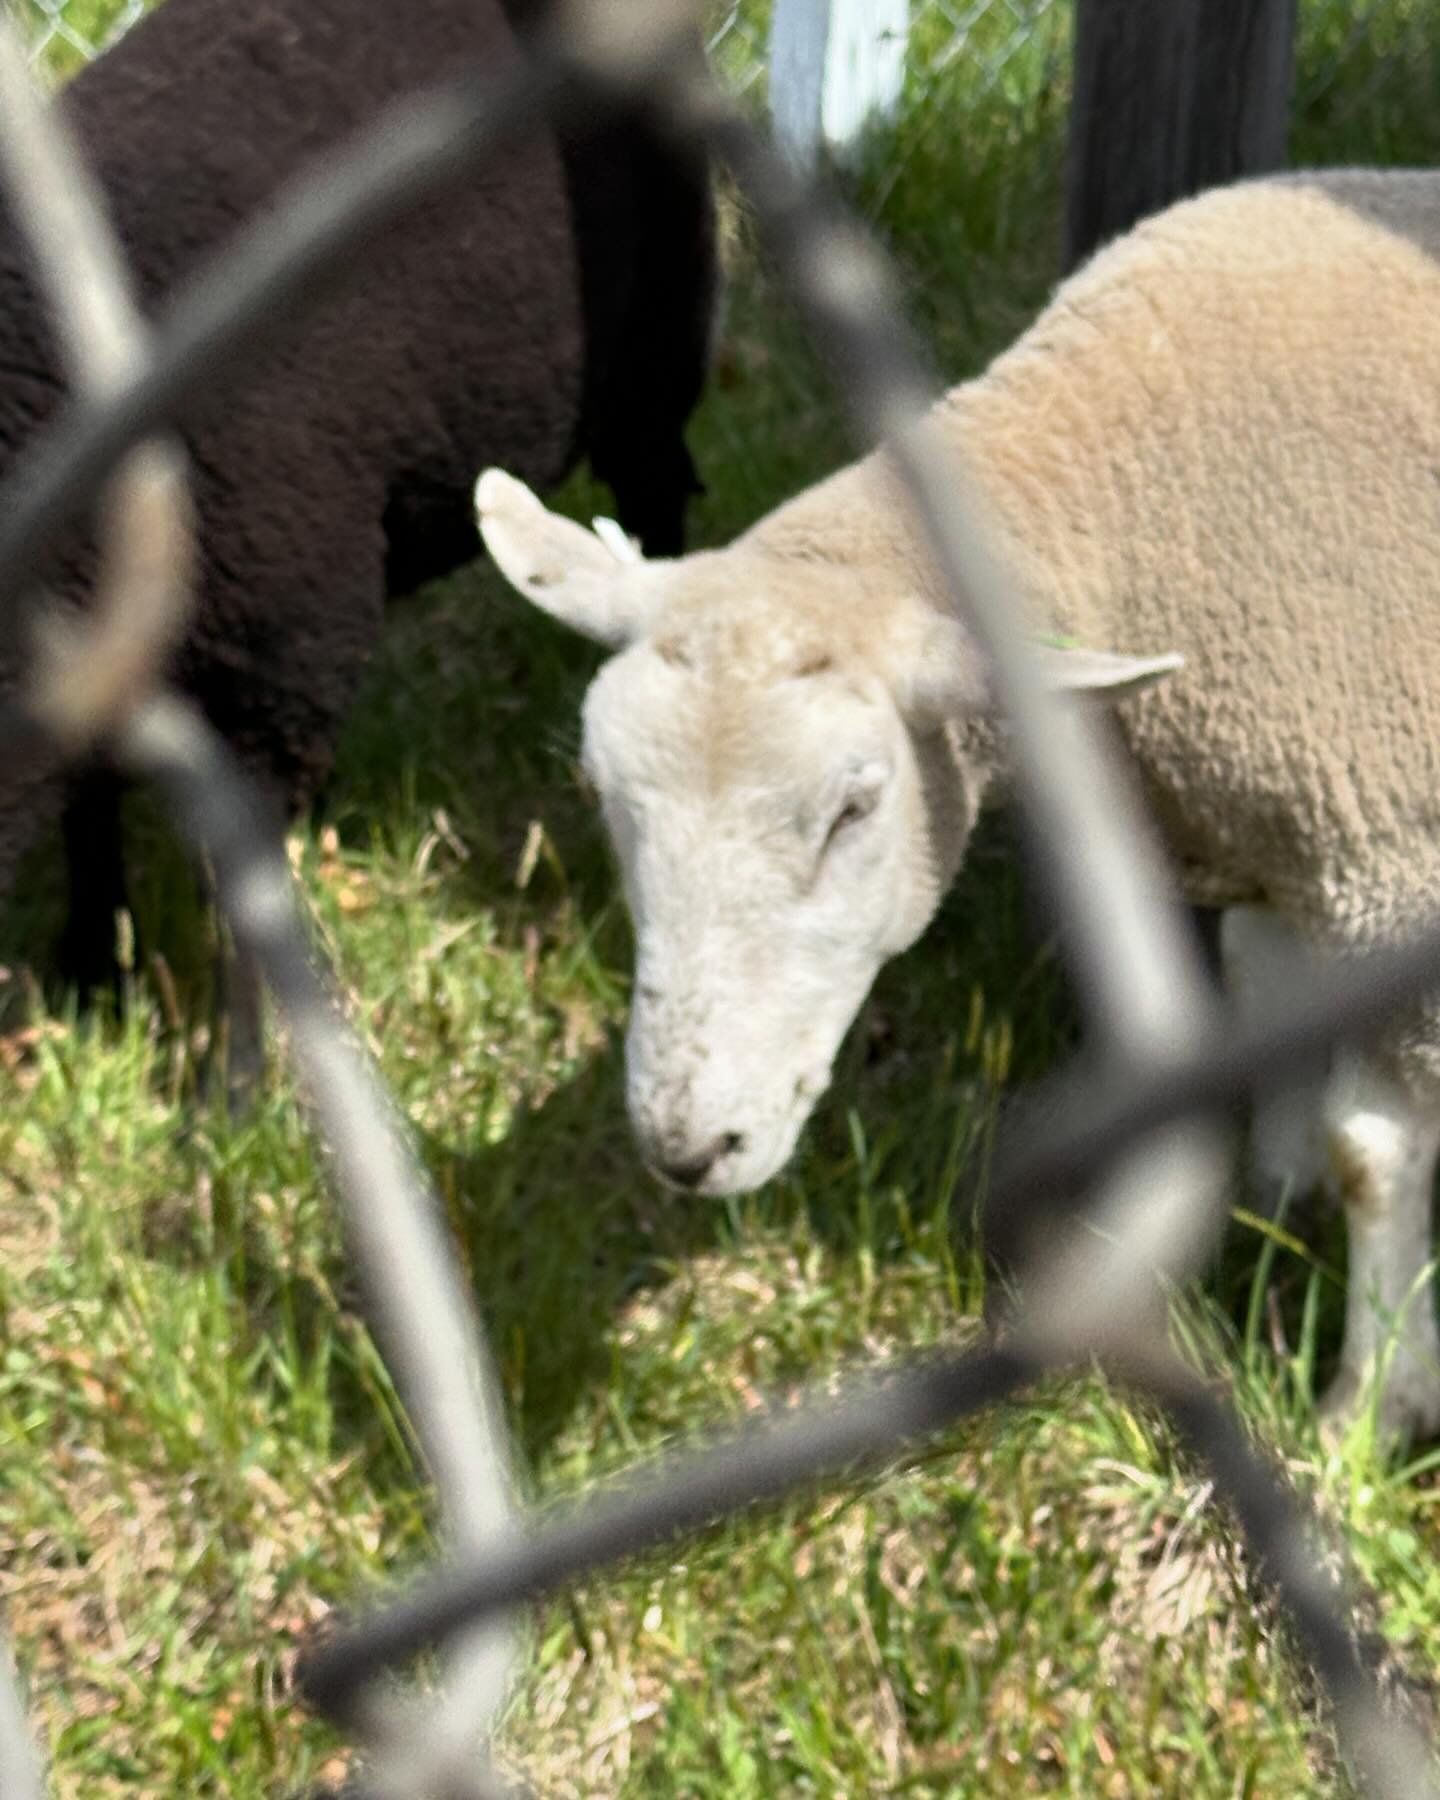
(1036, 493)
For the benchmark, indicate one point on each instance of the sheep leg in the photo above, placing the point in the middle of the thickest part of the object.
(1382, 1147)
(652, 494)
(95, 878)
(237, 1038)
(1261, 957)
(241, 1024)
(636, 423)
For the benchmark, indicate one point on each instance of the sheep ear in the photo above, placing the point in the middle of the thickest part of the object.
(1099, 672)
(937, 674)
(595, 582)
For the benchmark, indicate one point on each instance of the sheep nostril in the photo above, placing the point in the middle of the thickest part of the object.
(689, 1172)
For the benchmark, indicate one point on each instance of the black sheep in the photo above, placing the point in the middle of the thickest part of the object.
(559, 307)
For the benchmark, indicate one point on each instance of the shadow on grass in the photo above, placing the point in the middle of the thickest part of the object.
(563, 1229)
(560, 1228)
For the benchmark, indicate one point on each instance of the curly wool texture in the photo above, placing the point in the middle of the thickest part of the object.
(1218, 447)
(557, 306)
(1222, 438)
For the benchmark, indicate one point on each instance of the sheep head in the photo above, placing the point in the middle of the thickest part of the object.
(790, 758)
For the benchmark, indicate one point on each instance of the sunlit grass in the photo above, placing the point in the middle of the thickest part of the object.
(200, 1451)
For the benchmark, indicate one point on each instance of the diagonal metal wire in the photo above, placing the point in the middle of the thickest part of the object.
(420, 1309)
(145, 540)
(20, 1777)
(830, 1438)
(1167, 1052)
(259, 285)
(1133, 959)
(104, 340)
(423, 1313)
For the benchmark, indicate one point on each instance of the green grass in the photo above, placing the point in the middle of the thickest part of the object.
(88, 27)
(200, 1451)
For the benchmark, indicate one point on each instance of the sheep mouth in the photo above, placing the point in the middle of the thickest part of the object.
(758, 1155)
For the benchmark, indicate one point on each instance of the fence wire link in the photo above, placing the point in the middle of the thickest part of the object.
(422, 1312)
(1169, 1052)
(87, 674)
(20, 1776)
(145, 539)
(420, 1309)
(1351, 53)
(1016, 46)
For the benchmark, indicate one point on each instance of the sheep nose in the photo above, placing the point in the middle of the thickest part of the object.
(689, 1172)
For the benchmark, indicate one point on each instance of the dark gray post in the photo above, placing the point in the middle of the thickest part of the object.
(1171, 96)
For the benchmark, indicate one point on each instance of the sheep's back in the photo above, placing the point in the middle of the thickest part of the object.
(460, 332)
(339, 462)
(1223, 437)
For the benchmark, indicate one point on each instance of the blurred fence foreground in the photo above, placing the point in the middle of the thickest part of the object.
(1158, 1191)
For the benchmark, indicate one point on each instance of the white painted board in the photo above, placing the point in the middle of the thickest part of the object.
(835, 66)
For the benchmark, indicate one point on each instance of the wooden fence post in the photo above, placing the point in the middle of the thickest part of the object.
(834, 66)
(1171, 96)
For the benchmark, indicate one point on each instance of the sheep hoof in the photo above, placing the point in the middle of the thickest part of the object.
(244, 1082)
(1405, 1412)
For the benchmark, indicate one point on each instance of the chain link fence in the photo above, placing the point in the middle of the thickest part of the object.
(1014, 44)
(64, 34)
(1349, 56)
(1099, 1296)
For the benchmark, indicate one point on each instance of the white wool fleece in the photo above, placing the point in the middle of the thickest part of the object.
(1215, 457)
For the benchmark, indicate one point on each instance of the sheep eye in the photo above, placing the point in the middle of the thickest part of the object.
(854, 809)
(864, 784)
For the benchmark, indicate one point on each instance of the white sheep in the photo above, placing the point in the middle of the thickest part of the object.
(1220, 444)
